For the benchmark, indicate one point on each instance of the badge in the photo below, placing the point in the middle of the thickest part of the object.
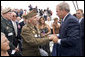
(7, 27)
(33, 32)
(36, 35)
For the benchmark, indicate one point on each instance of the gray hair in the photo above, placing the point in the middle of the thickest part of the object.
(64, 6)
(2, 34)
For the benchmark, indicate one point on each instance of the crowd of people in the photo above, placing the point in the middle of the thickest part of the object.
(29, 33)
(42, 12)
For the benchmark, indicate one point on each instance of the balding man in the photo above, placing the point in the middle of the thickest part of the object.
(68, 42)
(18, 19)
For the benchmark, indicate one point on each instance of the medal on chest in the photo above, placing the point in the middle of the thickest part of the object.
(7, 27)
(33, 32)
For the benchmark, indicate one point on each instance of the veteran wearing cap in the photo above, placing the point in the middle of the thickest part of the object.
(7, 28)
(29, 34)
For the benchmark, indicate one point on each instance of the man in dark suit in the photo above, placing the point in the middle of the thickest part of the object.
(68, 42)
(20, 26)
(82, 34)
(79, 15)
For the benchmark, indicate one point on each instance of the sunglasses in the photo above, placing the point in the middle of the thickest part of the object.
(14, 16)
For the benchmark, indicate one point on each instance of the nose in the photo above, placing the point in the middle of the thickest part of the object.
(8, 42)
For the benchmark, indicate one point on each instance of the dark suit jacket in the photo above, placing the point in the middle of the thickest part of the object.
(21, 25)
(70, 37)
(82, 34)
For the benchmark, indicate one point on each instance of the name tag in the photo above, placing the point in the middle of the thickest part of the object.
(10, 34)
(36, 35)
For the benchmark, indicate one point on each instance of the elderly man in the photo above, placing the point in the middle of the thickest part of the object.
(30, 41)
(68, 42)
(7, 29)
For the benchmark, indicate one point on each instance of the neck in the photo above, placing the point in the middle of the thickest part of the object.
(80, 17)
(4, 53)
(65, 14)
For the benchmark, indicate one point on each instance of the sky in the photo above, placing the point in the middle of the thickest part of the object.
(41, 5)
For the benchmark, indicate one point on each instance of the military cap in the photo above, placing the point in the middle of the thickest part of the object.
(31, 14)
(24, 16)
(6, 10)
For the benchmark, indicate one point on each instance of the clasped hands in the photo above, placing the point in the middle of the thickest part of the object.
(54, 38)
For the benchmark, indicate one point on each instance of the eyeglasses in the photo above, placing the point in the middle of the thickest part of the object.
(14, 16)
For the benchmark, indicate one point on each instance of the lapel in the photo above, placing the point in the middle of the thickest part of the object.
(67, 17)
(8, 23)
(63, 24)
(17, 27)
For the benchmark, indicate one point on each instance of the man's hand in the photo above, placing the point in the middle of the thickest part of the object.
(54, 38)
(50, 38)
(16, 49)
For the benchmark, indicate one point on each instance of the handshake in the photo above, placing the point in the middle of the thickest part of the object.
(54, 38)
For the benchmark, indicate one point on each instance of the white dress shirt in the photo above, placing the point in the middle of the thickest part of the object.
(80, 19)
(15, 26)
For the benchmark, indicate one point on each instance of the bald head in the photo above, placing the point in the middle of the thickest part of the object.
(18, 18)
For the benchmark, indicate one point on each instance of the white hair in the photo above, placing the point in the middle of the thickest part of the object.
(2, 35)
(64, 6)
